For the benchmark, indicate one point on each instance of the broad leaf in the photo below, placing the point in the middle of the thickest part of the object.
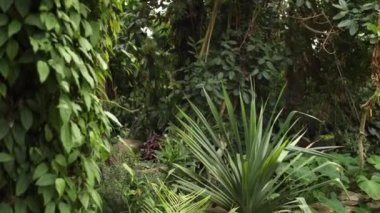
(50, 208)
(13, 28)
(5, 4)
(60, 185)
(22, 184)
(371, 187)
(375, 161)
(43, 70)
(40, 170)
(23, 6)
(12, 49)
(64, 208)
(26, 117)
(345, 23)
(4, 157)
(46, 180)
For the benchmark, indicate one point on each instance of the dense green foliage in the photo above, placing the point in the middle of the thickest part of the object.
(167, 55)
(52, 126)
(184, 143)
(169, 52)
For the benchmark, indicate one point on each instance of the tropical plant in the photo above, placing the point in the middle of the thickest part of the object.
(53, 64)
(245, 158)
(170, 201)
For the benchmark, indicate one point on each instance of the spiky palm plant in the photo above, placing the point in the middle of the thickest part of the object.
(242, 155)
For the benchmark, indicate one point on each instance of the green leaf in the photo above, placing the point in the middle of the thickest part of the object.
(77, 136)
(22, 184)
(4, 157)
(354, 28)
(87, 76)
(63, 207)
(21, 206)
(5, 208)
(103, 64)
(371, 187)
(49, 20)
(333, 203)
(87, 28)
(84, 198)
(22, 7)
(19, 134)
(50, 208)
(47, 193)
(299, 3)
(3, 93)
(61, 160)
(96, 197)
(46, 180)
(40, 170)
(12, 49)
(73, 156)
(345, 23)
(85, 44)
(34, 20)
(43, 70)
(5, 4)
(343, 4)
(48, 133)
(60, 185)
(4, 68)
(4, 126)
(66, 138)
(113, 118)
(33, 203)
(26, 117)
(375, 161)
(13, 28)
(3, 19)
(340, 15)
(3, 37)
(308, 4)
(65, 109)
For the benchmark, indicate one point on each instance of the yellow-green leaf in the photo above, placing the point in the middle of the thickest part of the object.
(43, 70)
(60, 185)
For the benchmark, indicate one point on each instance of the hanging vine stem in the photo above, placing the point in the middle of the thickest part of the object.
(210, 29)
(369, 106)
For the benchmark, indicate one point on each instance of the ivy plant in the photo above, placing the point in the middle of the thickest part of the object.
(53, 64)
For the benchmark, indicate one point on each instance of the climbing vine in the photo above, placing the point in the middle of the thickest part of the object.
(53, 64)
